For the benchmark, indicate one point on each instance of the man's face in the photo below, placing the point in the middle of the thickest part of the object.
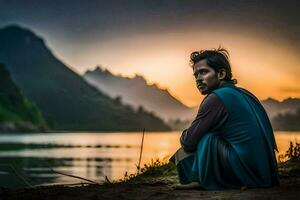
(206, 77)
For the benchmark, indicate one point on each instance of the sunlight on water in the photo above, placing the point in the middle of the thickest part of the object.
(89, 155)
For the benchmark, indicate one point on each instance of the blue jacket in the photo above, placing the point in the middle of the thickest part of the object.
(240, 152)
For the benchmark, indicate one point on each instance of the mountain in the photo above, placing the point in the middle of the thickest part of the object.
(136, 92)
(287, 121)
(284, 115)
(67, 101)
(275, 107)
(16, 112)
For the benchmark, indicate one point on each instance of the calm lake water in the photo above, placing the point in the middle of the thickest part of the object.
(90, 155)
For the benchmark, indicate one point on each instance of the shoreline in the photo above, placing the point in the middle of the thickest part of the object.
(156, 182)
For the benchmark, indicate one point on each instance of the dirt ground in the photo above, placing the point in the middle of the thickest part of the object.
(158, 187)
(289, 189)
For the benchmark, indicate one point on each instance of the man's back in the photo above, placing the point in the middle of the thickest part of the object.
(239, 152)
(246, 117)
(249, 134)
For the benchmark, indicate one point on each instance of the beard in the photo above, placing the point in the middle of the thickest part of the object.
(206, 88)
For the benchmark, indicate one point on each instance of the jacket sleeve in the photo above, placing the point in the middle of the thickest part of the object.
(211, 115)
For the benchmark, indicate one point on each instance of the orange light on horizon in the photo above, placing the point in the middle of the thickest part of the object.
(265, 68)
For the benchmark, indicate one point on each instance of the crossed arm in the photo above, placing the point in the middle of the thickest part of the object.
(211, 115)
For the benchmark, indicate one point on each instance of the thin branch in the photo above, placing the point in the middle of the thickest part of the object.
(72, 184)
(141, 151)
(18, 175)
(73, 176)
(107, 180)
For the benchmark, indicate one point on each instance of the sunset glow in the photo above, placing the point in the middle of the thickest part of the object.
(265, 68)
(155, 39)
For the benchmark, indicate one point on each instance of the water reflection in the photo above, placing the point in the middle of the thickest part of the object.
(89, 155)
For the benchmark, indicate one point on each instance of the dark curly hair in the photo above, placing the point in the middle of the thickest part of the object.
(216, 59)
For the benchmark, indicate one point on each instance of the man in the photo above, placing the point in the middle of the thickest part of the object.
(230, 144)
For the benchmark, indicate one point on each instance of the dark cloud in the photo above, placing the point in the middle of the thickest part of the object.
(88, 20)
(74, 27)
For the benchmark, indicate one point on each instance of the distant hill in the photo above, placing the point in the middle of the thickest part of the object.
(275, 107)
(16, 112)
(65, 99)
(136, 92)
(287, 121)
(284, 115)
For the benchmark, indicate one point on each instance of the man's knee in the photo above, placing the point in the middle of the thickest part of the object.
(206, 139)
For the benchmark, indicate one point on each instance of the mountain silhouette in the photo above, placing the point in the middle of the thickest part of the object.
(67, 101)
(275, 107)
(287, 121)
(284, 115)
(16, 112)
(136, 92)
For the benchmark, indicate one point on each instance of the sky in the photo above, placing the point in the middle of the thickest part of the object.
(155, 38)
